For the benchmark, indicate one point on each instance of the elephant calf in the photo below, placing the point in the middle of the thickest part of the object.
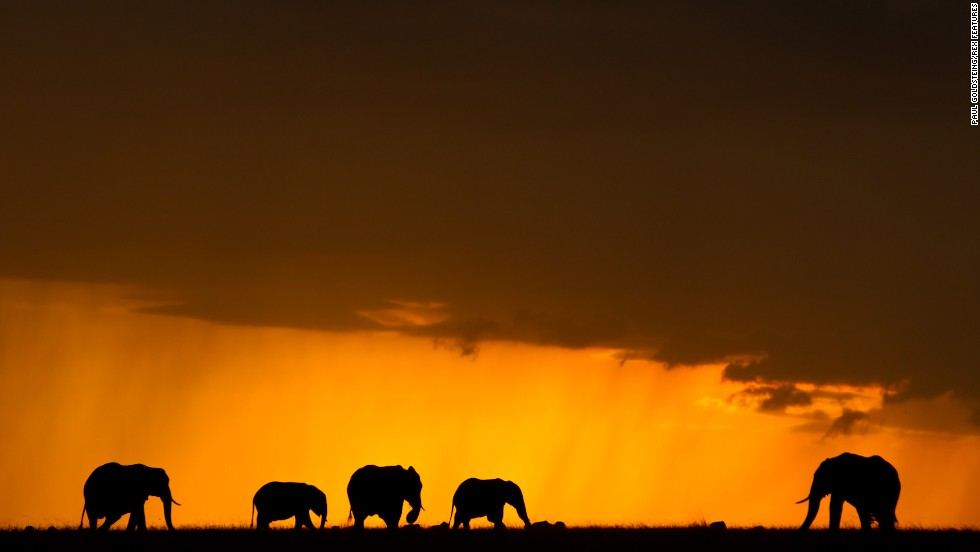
(486, 497)
(275, 501)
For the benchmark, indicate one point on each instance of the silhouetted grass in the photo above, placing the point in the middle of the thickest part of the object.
(585, 539)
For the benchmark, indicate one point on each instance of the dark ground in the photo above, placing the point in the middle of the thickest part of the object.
(435, 540)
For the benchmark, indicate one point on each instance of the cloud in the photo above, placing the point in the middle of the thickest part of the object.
(773, 399)
(407, 313)
(463, 347)
(850, 422)
(578, 182)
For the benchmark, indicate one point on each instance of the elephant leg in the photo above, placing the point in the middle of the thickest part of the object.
(262, 522)
(359, 521)
(110, 518)
(886, 522)
(865, 517)
(133, 523)
(836, 509)
(391, 520)
(140, 514)
(884, 514)
(496, 516)
(393, 515)
(93, 520)
(304, 519)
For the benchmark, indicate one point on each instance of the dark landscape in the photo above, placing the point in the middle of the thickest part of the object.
(512, 540)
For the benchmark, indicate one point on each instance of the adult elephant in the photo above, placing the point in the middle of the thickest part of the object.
(382, 491)
(486, 497)
(277, 500)
(114, 490)
(869, 484)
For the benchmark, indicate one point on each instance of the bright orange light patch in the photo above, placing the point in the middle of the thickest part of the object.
(407, 313)
(226, 409)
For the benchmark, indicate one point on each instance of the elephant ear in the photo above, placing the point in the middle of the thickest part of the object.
(830, 467)
(827, 475)
(411, 469)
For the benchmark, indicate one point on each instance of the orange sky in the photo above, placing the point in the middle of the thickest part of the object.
(225, 409)
(263, 240)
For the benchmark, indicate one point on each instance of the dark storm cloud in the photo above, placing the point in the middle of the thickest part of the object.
(787, 187)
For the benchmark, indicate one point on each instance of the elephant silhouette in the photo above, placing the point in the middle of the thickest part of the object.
(114, 490)
(276, 500)
(871, 485)
(382, 491)
(486, 497)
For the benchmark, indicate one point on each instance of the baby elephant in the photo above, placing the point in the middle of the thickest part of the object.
(276, 501)
(486, 497)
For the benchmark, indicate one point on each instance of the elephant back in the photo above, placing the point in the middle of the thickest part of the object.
(474, 488)
(372, 484)
(374, 480)
(108, 484)
(277, 492)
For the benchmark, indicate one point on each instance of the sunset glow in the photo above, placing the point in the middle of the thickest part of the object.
(226, 409)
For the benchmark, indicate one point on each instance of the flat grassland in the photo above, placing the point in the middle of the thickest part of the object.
(588, 539)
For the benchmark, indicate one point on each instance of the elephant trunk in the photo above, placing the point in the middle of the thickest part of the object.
(168, 502)
(811, 513)
(818, 490)
(517, 501)
(416, 503)
(522, 513)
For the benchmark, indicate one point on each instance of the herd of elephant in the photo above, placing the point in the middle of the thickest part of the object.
(869, 484)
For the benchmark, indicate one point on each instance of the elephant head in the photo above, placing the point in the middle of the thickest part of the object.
(871, 485)
(317, 502)
(412, 493)
(513, 496)
(158, 484)
(114, 490)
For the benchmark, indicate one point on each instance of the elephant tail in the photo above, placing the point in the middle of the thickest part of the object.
(81, 522)
(451, 514)
(350, 515)
(251, 523)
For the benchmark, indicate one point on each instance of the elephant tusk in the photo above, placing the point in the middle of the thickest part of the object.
(174, 501)
(804, 500)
